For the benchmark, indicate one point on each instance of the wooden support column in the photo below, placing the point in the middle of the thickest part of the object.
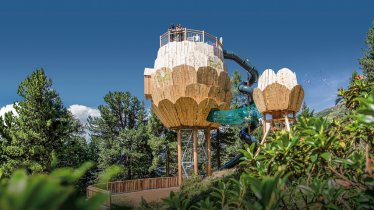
(264, 123)
(179, 136)
(209, 167)
(195, 160)
(287, 122)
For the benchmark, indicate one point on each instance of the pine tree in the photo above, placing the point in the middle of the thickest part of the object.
(225, 144)
(367, 62)
(164, 146)
(305, 111)
(237, 98)
(41, 128)
(120, 134)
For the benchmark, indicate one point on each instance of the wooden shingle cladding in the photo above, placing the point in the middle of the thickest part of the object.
(184, 96)
(276, 97)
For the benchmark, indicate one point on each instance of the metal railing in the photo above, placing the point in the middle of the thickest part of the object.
(192, 35)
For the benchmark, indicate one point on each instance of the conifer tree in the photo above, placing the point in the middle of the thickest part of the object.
(42, 126)
(238, 99)
(120, 135)
(367, 62)
(164, 146)
(305, 111)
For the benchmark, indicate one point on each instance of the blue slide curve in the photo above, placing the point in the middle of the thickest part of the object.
(237, 116)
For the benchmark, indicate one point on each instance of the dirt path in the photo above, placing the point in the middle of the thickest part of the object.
(134, 198)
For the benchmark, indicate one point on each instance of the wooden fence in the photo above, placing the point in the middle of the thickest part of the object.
(141, 184)
(128, 186)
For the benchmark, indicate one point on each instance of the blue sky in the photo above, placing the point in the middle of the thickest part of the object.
(91, 47)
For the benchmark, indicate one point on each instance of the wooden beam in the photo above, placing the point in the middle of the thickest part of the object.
(195, 160)
(264, 123)
(179, 136)
(209, 167)
(287, 122)
(263, 141)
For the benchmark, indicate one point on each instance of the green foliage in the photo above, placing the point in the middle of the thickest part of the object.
(205, 205)
(120, 135)
(267, 191)
(50, 192)
(237, 98)
(42, 127)
(305, 111)
(325, 162)
(225, 145)
(334, 112)
(229, 193)
(366, 111)
(176, 201)
(367, 62)
(358, 88)
(163, 145)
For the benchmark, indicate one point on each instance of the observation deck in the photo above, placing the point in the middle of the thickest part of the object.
(192, 35)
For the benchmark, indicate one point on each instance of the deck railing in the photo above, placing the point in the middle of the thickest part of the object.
(192, 35)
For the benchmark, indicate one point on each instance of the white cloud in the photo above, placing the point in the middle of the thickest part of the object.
(7, 108)
(79, 112)
(82, 112)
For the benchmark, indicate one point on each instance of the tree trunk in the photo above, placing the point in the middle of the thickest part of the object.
(129, 168)
(167, 160)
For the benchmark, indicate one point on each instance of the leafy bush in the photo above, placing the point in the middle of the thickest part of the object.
(358, 87)
(50, 192)
(42, 191)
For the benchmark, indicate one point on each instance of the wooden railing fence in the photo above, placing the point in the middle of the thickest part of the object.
(128, 186)
(141, 184)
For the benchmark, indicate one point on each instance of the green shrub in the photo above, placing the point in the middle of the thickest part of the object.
(52, 191)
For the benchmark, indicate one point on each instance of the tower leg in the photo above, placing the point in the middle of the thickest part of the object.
(179, 136)
(264, 124)
(287, 122)
(209, 167)
(195, 158)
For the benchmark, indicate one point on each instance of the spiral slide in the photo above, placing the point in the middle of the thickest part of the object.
(238, 116)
